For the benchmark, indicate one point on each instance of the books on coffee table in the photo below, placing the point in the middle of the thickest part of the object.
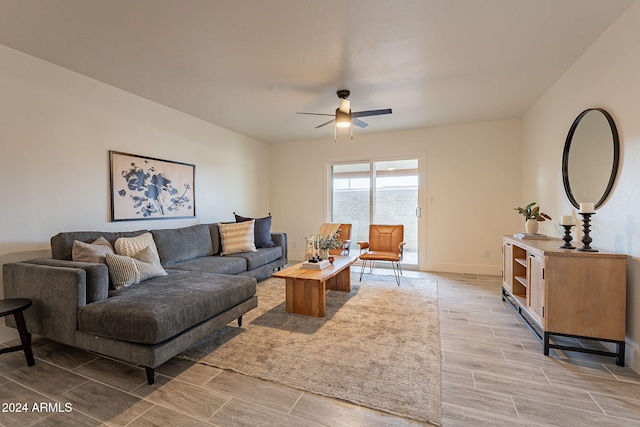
(308, 265)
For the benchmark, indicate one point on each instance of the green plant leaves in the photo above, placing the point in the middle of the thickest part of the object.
(531, 212)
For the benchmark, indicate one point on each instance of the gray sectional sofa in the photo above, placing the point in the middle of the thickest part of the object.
(149, 322)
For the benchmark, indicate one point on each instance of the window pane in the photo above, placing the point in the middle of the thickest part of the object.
(395, 196)
(396, 199)
(350, 201)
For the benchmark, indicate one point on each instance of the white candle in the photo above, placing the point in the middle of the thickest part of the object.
(566, 220)
(586, 208)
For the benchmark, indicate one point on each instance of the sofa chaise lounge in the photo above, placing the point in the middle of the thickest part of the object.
(149, 322)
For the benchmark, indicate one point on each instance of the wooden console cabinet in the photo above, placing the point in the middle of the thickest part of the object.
(566, 292)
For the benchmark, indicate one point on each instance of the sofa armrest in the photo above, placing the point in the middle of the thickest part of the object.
(56, 293)
(97, 276)
(280, 239)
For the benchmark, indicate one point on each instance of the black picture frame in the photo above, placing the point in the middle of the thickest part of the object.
(146, 188)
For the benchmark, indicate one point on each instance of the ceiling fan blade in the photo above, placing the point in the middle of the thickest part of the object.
(371, 113)
(318, 114)
(326, 123)
(358, 122)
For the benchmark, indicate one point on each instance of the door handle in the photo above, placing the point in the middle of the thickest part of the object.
(418, 211)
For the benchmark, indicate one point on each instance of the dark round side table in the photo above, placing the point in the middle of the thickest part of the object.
(16, 306)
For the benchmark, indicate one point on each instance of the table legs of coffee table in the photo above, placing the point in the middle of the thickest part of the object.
(340, 282)
(305, 296)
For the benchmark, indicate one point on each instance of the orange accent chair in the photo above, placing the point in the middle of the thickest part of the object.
(344, 234)
(385, 243)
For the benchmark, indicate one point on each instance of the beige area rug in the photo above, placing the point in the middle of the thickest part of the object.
(378, 346)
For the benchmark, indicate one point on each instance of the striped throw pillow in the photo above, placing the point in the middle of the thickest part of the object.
(125, 271)
(237, 237)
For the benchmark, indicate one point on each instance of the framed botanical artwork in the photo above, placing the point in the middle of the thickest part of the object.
(148, 188)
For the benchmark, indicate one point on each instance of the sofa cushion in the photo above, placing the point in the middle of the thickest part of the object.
(237, 237)
(212, 264)
(261, 230)
(158, 309)
(260, 257)
(181, 244)
(91, 252)
(125, 271)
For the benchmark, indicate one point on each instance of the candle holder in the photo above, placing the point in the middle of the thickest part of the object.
(586, 229)
(567, 238)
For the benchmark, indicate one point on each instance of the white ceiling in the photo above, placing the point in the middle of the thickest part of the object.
(250, 65)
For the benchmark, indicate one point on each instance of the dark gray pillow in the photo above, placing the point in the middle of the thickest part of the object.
(261, 230)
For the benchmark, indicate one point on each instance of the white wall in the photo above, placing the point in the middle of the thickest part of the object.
(472, 184)
(605, 76)
(56, 128)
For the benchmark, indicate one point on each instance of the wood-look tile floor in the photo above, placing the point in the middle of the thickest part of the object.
(493, 374)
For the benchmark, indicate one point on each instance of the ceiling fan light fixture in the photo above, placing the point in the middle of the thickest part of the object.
(343, 120)
(345, 106)
(344, 117)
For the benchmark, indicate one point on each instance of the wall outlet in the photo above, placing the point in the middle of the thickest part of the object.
(487, 253)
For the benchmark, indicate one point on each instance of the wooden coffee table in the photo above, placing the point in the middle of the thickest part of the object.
(305, 289)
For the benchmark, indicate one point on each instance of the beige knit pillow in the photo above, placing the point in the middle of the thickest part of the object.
(125, 271)
(129, 246)
(237, 237)
(148, 264)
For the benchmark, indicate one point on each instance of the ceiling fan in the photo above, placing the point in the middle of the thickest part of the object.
(344, 117)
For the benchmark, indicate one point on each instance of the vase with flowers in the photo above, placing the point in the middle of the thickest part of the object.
(325, 243)
(318, 246)
(533, 216)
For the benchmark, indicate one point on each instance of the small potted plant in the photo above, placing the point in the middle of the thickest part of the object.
(532, 216)
(328, 242)
(318, 246)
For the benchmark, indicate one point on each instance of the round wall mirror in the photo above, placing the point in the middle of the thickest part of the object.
(590, 158)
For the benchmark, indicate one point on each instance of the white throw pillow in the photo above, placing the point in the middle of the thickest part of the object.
(238, 237)
(130, 246)
(125, 271)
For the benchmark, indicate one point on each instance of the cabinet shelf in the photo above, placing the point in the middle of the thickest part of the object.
(521, 261)
(522, 280)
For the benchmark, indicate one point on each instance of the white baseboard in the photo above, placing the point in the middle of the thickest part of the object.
(631, 354)
(489, 270)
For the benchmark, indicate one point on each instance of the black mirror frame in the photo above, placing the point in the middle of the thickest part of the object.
(565, 157)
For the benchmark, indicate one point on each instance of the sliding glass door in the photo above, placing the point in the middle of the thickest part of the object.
(378, 192)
